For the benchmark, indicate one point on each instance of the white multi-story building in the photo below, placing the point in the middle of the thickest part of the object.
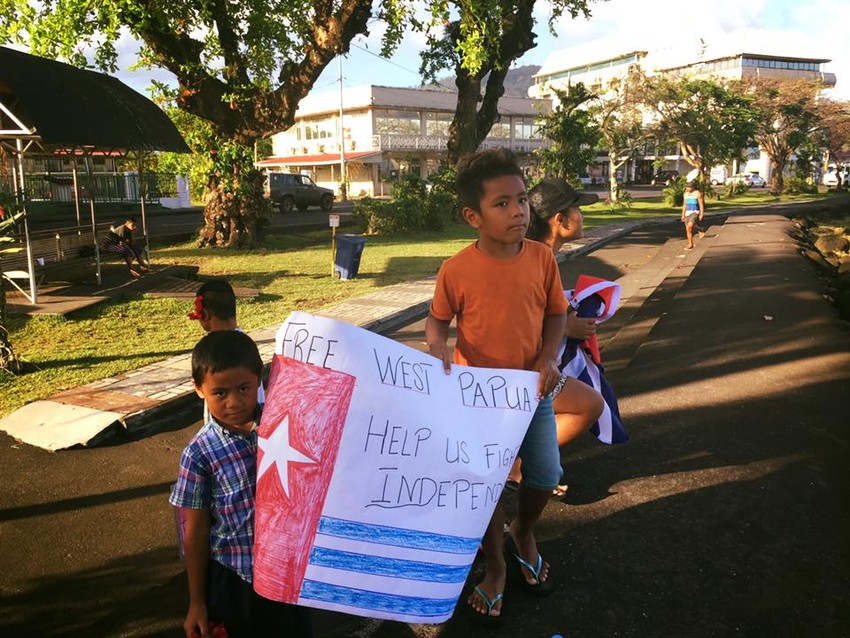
(597, 70)
(379, 133)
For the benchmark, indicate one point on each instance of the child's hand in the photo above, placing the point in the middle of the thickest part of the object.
(549, 376)
(580, 327)
(214, 630)
(197, 622)
(444, 353)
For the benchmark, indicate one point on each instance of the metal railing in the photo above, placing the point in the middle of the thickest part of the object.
(118, 188)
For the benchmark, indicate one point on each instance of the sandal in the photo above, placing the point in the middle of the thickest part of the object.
(488, 618)
(560, 491)
(538, 588)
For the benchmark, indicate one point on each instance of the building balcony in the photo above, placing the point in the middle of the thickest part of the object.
(439, 143)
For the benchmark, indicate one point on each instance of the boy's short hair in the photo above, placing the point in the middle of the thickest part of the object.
(218, 298)
(223, 350)
(473, 170)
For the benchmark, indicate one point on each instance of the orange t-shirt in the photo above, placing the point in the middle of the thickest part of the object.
(500, 304)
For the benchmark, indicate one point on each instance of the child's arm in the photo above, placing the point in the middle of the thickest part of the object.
(437, 338)
(197, 547)
(547, 359)
(701, 202)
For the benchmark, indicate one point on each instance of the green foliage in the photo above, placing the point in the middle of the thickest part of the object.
(674, 195)
(798, 185)
(711, 122)
(573, 132)
(736, 189)
(623, 200)
(414, 206)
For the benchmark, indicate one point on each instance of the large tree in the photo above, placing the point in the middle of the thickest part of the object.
(478, 40)
(243, 66)
(833, 132)
(712, 123)
(573, 132)
(618, 114)
(786, 118)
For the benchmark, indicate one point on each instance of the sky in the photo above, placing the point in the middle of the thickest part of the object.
(815, 28)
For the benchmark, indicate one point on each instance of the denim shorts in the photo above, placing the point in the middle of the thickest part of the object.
(541, 459)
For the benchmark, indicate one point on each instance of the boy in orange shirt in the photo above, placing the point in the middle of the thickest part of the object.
(507, 296)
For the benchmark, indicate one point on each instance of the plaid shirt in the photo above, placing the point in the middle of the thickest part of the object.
(218, 471)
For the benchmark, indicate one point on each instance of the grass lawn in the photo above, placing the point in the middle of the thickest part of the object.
(293, 272)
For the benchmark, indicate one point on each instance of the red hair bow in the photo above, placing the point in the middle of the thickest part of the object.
(198, 312)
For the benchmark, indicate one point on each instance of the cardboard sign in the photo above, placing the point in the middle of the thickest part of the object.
(377, 472)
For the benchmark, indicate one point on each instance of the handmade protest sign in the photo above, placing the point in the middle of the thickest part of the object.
(377, 472)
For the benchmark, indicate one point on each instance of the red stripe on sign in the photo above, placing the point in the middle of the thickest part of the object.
(306, 408)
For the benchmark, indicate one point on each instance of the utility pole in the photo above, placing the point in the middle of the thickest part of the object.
(343, 190)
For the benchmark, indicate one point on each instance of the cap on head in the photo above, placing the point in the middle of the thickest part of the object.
(553, 195)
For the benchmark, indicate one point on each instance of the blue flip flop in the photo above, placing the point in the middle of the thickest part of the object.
(539, 588)
(487, 618)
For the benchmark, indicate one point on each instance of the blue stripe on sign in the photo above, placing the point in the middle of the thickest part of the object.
(391, 567)
(396, 536)
(363, 599)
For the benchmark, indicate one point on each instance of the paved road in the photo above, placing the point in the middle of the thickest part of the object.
(726, 515)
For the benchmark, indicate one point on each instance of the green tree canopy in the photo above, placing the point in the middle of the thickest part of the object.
(711, 122)
(786, 118)
(478, 40)
(574, 134)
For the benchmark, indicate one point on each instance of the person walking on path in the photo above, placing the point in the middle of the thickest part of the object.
(693, 211)
(506, 293)
(215, 488)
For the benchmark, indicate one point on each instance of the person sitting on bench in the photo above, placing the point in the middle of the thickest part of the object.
(119, 240)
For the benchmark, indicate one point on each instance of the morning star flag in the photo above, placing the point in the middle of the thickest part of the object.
(377, 472)
(598, 299)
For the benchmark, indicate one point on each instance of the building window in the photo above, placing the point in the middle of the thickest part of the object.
(398, 122)
(525, 128)
(437, 123)
(501, 130)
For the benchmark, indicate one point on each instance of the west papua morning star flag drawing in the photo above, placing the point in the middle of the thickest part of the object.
(417, 463)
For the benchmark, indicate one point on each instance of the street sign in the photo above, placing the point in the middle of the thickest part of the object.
(333, 221)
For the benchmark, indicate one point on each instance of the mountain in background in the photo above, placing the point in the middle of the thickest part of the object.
(517, 81)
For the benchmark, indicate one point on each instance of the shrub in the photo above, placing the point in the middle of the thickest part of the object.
(415, 205)
(734, 189)
(674, 195)
(797, 185)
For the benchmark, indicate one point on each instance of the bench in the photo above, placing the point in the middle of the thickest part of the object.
(56, 254)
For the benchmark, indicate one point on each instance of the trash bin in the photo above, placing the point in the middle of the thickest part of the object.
(349, 248)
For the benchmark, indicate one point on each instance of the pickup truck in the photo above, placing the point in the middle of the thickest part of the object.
(291, 191)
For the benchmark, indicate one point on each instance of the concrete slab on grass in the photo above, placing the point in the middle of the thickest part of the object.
(57, 426)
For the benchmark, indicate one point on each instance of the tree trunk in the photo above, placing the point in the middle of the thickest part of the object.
(777, 179)
(235, 210)
(613, 182)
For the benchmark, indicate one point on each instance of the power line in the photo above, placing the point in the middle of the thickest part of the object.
(387, 60)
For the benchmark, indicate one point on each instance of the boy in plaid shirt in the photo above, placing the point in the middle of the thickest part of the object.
(216, 486)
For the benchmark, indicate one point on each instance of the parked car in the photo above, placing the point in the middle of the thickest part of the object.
(291, 191)
(718, 175)
(831, 177)
(753, 180)
(664, 177)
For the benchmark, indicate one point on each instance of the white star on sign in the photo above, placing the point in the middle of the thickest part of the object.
(276, 449)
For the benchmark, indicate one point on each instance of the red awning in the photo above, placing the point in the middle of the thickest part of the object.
(322, 159)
